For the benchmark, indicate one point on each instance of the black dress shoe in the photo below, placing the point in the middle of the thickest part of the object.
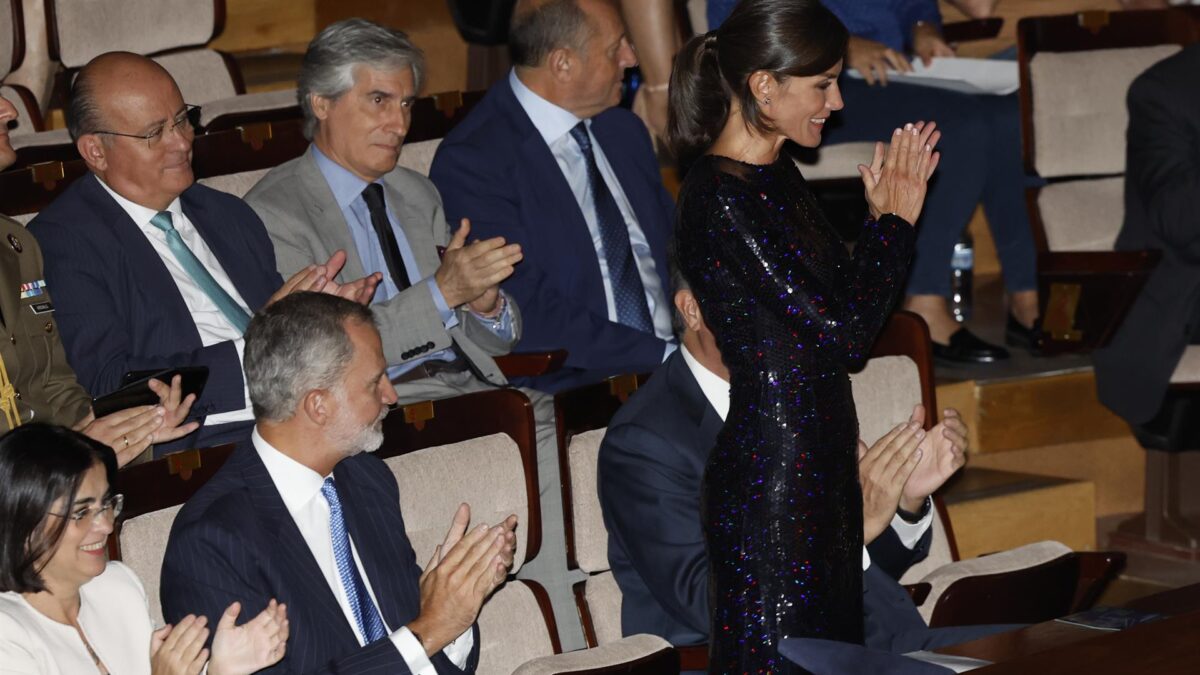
(1017, 335)
(966, 347)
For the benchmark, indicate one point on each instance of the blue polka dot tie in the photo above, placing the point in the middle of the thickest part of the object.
(370, 624)
(628, 293)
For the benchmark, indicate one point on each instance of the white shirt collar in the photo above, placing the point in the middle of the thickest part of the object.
(297, 484)
(551, 121)
(141, 215)
(715, 389)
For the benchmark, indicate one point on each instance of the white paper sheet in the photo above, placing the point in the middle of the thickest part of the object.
(969, 76)
(959, 664)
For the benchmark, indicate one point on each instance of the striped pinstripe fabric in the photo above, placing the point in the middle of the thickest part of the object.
(236, 541)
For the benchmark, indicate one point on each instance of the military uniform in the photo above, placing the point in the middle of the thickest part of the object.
(36, 383)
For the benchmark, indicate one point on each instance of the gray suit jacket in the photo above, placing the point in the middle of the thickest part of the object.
(306, 224)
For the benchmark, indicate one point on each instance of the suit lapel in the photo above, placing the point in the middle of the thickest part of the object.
(10, 285)
(227, 247)
(708, 422)
(420, 239)
(641, 190)
(563, 231)
(324, 213)
(148, 275)
(366, 519)
(291, 553)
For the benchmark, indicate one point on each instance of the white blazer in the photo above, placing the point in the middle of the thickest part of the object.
(112, 613)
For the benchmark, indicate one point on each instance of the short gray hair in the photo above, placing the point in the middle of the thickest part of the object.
(328, 66)
(296, 345)
(538, 29)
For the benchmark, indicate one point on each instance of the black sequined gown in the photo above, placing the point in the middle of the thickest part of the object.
(791, 310)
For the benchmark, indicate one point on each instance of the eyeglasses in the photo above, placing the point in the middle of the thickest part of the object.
(109, 508)
(185, 124)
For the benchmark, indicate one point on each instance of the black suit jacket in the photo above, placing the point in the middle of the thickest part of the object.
(496, 169)
(235, 540)
(118, 308)
(650, 474)
(1162, 189)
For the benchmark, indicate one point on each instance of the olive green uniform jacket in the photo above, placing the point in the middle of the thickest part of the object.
(36, 383)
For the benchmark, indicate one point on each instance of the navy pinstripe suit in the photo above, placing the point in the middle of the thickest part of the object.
(235, 540)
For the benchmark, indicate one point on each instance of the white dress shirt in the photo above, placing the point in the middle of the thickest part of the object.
(716, 390)
(300, 488)
(113, 614)
(211, 323)
(555, 124)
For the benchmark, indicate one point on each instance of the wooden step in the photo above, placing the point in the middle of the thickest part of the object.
(1016, 413)
(996, 510)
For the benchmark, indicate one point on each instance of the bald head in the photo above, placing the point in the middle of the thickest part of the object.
(103, 82)
(131, 126)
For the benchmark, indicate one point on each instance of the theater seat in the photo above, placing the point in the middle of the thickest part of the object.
(154, 492)
(494, 469)
(236, 184)
(1075, 72)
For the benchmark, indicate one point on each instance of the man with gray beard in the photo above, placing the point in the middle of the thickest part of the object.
(304, 514)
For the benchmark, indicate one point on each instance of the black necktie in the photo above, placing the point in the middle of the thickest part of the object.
(373, 196)
(629, 295)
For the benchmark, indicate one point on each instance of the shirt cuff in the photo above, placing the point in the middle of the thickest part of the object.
(502, 325)
(449, 318)
(418, 662)
(911, 533)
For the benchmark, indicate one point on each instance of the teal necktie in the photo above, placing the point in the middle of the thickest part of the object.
(195, 269)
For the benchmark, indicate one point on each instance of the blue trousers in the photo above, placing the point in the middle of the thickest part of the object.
(981, 162)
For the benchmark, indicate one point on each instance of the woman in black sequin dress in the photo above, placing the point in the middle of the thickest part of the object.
(792, 311)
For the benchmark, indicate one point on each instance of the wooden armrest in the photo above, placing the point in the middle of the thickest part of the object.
(633, 655)
(693, 657)
(975, 29)
(918, 592)
(1096, 570)
(531, 364)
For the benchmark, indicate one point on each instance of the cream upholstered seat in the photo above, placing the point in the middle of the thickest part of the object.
(12, 55)
(143, 543)
(236, 184)
(173, 32)
(419, 156)
(1079, 120)
(488, 473)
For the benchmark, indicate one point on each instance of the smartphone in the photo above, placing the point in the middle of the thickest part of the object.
(136, 389)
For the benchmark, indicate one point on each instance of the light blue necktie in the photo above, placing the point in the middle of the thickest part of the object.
(629, 295)
(370, 624)
(196, 270)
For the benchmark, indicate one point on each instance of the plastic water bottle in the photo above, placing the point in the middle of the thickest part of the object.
(962, 264)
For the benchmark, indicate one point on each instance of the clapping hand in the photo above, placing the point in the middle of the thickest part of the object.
(179, 649)
(884, 469)
(471, 273)
(895, 182)
(943, 452)
(320, 279)
(129, 432)
(252, 646)
(462, 573)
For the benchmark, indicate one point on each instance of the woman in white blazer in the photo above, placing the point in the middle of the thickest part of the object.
(63, 608)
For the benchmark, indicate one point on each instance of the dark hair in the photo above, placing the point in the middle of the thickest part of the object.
(40, 464)
(536, 31)
(296, 345)
(83, 112)
(782, 37)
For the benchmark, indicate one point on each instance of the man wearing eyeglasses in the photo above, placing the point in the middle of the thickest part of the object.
(150, 270)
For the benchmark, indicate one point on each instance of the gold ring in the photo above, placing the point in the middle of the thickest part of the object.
(126, 439)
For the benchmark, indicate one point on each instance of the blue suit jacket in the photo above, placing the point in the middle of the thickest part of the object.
(235, 540)
(650, 475)
(496, 169)
(118, 308)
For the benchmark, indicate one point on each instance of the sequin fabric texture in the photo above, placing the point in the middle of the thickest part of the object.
(792, 311)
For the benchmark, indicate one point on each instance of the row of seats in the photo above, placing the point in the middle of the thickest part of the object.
(1074, 72)
(481, 448)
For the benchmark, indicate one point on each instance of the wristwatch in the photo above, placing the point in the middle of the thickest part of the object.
(914, 518)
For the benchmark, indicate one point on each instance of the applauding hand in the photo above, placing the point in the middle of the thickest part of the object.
(896, 180)
(252, 646)
(884, 469)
